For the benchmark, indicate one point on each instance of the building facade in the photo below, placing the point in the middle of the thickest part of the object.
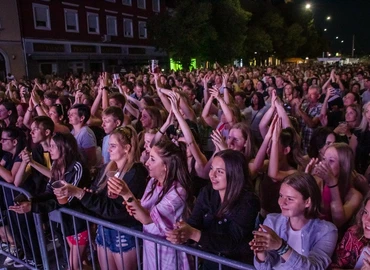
(86, 35)
(12, 57)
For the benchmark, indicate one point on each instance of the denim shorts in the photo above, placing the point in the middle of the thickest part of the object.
(112, 240)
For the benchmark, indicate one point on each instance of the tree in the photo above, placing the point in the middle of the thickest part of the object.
(184, 33)
(207, 30)
(230, 22)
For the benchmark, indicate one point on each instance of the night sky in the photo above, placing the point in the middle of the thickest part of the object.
(348, 18)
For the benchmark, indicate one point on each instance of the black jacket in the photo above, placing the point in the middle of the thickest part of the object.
(230, 234)
(112, 209)
(46, 202)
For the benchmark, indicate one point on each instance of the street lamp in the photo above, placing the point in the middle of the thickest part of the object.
(342, 41)
(336, 37)
(308, 6)
(328, 18)
(325, 30)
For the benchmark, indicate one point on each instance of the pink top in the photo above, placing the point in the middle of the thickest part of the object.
(164, 215)
(326, 199)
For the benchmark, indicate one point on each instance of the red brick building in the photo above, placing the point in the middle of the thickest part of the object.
(87, 35)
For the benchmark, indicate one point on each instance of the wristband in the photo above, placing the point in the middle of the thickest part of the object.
(37, 105)
(283, 249)
(333, 186)
(159, 130)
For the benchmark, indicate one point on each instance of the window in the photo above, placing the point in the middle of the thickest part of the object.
(156, 5)
(71, 20)
(127, 2)
(93, 23)
(127, 28)
(141, 4)
(111, 26)
(41, 17)
(142, 30)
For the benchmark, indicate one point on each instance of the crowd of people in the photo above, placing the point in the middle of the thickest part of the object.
(263, 165)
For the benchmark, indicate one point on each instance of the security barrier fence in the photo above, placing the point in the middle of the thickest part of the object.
(36, 241)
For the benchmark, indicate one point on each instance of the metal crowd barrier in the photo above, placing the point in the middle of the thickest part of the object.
(26, 230)
(29, 234)
(139, 236)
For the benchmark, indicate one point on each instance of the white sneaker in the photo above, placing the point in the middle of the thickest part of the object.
(9, 261)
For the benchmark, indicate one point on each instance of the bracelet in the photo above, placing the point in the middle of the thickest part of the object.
(129, 200)
(283, 249)
(190, 143)
(37, 105)
(333, 186)
(29, 110)
(159, 130)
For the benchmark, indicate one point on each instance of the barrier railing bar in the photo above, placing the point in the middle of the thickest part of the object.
(156, 255)
(54, 243)
(42, 241)
(161, 241)
(138, 253)
(65, 242)
(92, 254)
(78, 246)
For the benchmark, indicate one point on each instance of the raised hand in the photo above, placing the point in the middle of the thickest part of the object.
(324, 171)
(265, 239)
(311, 166)
(215, 94)
(218, 140)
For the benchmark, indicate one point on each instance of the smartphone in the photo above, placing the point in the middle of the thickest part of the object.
(20, 198)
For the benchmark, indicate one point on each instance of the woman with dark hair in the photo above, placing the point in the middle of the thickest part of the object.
(321, 139)
(166, 200)
(257, 110)
(261, 88)
(13, 141)
(352, 119)
(66, 103)
(225, 212)
(57, 114)
(339, 198)
(67, 168)
(353, 250)
(296, 238)
(8, 114)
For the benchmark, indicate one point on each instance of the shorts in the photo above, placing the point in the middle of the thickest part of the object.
(112, 240)
(82, 239)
